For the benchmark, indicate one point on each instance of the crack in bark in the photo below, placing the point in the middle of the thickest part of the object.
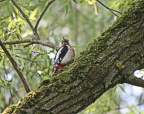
(71, 97)
(80, 102)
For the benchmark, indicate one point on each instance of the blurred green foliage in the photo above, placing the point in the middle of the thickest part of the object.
(73, 19)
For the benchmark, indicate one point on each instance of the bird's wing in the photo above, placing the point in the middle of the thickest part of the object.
(60, 54)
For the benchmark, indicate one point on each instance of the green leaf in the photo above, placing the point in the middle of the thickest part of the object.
(75, 1)
(33, 14)
(10, 25)
(67, 8)
(2, 82)
(36, 56)
(122, 89)
(1, 31)
(2, 60)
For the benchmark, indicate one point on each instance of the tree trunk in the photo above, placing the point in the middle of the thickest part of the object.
(109, 60)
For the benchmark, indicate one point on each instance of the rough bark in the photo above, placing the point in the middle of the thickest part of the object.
(109, 60)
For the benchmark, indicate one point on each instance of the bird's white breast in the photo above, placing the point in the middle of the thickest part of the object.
(69, 56)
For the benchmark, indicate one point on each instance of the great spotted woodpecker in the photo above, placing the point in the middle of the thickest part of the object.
(64, 55)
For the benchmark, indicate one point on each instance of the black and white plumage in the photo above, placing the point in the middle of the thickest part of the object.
(64, 55)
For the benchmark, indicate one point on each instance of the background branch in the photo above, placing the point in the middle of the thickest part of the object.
(111, 10)
(2, 0)
(28, 21)
(40, 17)
(4, 17)
(16, 67)
(34, 29)
(41, 42)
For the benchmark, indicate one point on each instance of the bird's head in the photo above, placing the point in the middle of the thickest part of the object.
(65, 41)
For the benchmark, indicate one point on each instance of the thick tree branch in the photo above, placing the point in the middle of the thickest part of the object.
(40, 17)
(16, 67)
(41, 42)
(28, 21)
(135, 81)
